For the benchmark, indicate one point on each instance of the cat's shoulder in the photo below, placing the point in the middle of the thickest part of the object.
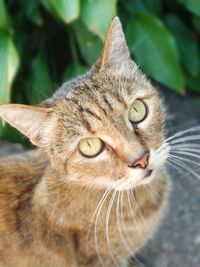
(21, 170)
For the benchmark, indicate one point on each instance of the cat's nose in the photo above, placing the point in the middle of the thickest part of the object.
(142, 162)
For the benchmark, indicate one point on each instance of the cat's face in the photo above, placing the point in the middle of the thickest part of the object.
(107, 131)
(103, 127)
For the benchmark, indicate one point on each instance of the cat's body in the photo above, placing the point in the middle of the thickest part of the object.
(38, 229)
(92, 157)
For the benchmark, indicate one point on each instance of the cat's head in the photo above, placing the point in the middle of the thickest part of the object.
(104, 129)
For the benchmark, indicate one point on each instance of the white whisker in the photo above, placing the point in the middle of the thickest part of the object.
(111, 250)
(97, 208)
(96, 223)
(193, 129)
(123, 223)
(134, 220)
(138, 208)
(119, 223)
(180, 164)
(174, 166)
(187, 153)
(184, 145)
(182, 149)
(174, 155)
(185, 139)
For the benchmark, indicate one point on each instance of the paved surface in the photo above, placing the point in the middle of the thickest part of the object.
(177, 242)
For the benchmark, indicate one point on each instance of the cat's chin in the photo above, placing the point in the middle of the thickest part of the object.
(130, 183)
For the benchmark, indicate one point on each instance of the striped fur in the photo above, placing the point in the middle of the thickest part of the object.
(48, 196)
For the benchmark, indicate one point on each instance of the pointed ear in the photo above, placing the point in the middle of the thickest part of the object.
(115, 49)
(27, 119)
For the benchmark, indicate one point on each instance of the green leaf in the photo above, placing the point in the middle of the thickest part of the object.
(90, 45)
(65, 10)
(196, 23)
(154, 6)
(155, 50)
(9, 63)
(72, 71)
(134, 7)
(193, 83)
(4, 20)
(32, 11)
(10, 134)
(192, 5)
(40, 85)
(97, 15)
(188, 48)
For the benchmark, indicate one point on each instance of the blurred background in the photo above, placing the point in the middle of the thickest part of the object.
(44, 43)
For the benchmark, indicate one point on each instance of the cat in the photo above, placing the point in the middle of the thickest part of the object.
(96, 188)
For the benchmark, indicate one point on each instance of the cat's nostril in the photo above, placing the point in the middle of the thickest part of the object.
(142, 162)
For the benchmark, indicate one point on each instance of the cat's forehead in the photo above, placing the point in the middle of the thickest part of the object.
(101, 103)
(113, 92)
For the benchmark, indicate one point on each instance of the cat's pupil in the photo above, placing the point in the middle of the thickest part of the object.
(88, 144)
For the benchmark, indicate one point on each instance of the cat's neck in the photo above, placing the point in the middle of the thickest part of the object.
(60, 203)
(61, 209)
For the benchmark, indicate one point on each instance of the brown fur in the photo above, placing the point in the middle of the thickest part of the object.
(48, 197)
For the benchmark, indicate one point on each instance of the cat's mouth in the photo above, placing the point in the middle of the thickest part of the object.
(129, 182)
(148, 173)
(147, 178)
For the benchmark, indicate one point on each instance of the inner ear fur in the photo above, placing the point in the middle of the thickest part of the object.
(29, 120)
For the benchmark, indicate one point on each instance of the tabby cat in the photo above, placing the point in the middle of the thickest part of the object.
(95, 189)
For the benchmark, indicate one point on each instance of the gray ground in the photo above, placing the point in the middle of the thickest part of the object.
(177, 242)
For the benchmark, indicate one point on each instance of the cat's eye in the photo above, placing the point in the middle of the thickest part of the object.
(91, 147)
(138, 111)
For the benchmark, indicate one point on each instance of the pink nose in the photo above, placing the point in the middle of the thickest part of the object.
(142, 162)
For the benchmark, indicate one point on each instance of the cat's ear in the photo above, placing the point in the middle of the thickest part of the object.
(27, 119)
(115, 48)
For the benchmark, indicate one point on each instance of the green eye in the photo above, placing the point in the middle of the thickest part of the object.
(90, 147)
(138, 111)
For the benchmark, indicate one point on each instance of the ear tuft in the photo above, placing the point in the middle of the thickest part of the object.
(26, 119)
(115, 47)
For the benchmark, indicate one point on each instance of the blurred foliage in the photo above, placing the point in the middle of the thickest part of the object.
(46, 42)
